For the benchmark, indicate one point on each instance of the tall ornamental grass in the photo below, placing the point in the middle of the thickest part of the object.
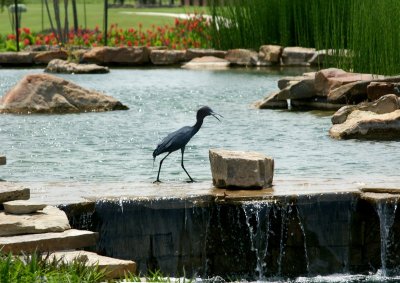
(367, 29)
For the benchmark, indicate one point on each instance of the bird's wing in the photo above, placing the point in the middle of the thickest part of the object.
(174, 141)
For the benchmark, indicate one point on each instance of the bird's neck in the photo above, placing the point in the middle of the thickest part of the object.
(198, 124)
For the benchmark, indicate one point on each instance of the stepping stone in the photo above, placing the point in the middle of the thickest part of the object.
(241, 169)
(3, 160)
(67, 240)
(22, 206)
(10, 191)
(115, 268)
(50, 219)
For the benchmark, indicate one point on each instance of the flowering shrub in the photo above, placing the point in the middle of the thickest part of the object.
(193, 32)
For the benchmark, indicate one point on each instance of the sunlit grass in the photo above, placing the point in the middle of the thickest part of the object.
(124, 17)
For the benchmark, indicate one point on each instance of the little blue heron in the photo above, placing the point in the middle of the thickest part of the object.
(178, 139)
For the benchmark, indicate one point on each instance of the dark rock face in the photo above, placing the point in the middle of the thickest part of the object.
(251, 239)
(43, 93)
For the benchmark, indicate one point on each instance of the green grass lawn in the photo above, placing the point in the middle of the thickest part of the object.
(124, 17)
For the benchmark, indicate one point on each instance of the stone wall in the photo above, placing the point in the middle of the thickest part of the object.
(284, 236)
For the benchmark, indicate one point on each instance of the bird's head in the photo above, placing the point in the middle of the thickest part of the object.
(206, 111)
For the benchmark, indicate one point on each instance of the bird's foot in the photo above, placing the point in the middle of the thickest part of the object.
(157, 182)
(191, 181)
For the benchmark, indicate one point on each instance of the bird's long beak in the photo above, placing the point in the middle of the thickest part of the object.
(216, 114)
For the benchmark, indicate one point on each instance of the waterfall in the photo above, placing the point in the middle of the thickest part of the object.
(386, 212)
(257, 221)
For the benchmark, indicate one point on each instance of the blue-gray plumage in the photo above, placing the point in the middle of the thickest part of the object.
(178, 139)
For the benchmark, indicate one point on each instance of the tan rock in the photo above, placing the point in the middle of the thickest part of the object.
(62, 66)
(3, 160)
(242, 57)
(115, 268)
(10, 191)
(286, 81)
(375, 90)
(117, 56)
(368, 125)
(16, 58)
(328, 79)
(349, 93)
(43, 93)
(299, 90)
(297, 56)
(69, 239)
(46, 56)
(239, 169)
(22, 206)
(167, 57)
(271, 102)
(50, 219)
(192, 53)
(270, 53)
(207, 62)
(385, 104)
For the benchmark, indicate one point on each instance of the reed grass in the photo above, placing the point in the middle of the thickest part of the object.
(368, 29)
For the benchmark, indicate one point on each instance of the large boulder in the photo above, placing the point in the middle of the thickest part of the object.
(376, 90)
(117, 56)
(239, 169)
(297, 56)
(242, 57)
(62, 66)
(303, 89)
(328, 79)
(368, 125)
(270, 54)
(385, 104)
(379, 119)
(47, 56)
(271, 102)
(16, 58)
(167, 57)
(350, 93)
(44, 93)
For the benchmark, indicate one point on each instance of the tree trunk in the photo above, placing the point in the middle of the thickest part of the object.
(75, 16)
(66, 23)
(56, 5)
(50, 19)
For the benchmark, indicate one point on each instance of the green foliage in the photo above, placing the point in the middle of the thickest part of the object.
(36, 268)
(367, 28)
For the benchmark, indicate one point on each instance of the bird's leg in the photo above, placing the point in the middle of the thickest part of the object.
(159, 169)
(191, 180)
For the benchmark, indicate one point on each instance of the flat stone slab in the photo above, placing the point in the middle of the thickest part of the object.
(241, 169)
(65, 67)
(207, 62)
(381, 190)
(50, 219)
(11, 191)
(69, 239)
(3, 160)
(115, 268)
(22, 206)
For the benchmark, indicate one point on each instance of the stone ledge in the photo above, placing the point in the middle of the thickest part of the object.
(115, 268)
(69, 239)
(10, 191)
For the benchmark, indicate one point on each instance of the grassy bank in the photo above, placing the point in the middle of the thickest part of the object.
(124, 17)
(368, 28)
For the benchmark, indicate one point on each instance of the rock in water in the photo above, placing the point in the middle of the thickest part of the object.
(44, 93)
(240, 169)
(63, 66)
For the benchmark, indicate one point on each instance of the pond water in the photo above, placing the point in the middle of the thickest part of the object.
(117, 146)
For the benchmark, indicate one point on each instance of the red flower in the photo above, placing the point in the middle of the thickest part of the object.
(26, 41)
(129, 43)
(26, 30)
(11, 37)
